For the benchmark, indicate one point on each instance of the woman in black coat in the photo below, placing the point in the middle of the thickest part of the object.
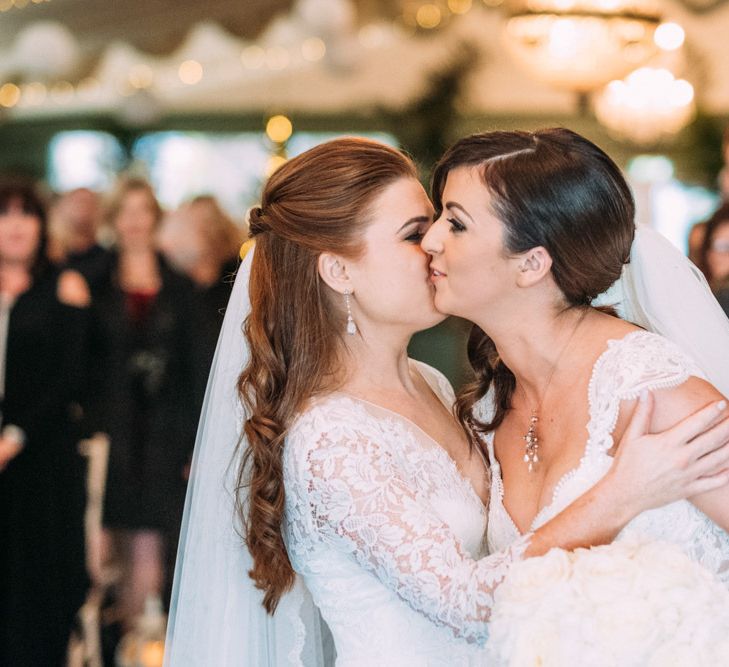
(43, 322)
(146, 380)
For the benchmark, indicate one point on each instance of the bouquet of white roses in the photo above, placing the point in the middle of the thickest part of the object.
(627, 604)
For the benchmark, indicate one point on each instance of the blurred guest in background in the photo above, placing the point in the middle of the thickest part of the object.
(696, 242)
(42, 332)
(714, 257)
(74, 228)
(146, 390)
(200, 240)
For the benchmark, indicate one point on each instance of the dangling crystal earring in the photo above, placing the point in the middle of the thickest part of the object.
(351, 326)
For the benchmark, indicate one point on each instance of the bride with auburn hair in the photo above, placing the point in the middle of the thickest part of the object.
(353, 495)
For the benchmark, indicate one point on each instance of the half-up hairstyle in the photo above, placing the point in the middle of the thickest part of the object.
(317, 202)
(551, 188)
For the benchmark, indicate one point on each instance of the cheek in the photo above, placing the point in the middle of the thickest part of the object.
(719, 263)
(396, 284)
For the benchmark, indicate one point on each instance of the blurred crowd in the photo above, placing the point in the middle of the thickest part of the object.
(109, 316)
(708, 241)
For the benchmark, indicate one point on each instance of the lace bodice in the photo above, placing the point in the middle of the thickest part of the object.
(640, 360)
(387, 535)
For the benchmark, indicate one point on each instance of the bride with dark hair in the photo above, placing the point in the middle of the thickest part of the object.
(353, 494)
(532, 227)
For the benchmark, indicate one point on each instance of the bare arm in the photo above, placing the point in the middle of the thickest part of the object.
(650, 470)
(676, 403)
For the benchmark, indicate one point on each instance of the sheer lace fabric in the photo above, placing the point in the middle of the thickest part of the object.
(387, 536)
(640, 360)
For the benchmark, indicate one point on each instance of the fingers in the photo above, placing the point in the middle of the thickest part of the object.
(709, 441)
(640, 420)
(706, 484)
(697, 423)
(712, 464)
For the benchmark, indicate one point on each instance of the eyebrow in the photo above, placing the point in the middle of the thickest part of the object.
(452, 204)
(419, 219)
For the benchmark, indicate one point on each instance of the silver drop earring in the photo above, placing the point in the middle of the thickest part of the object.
(351, 326)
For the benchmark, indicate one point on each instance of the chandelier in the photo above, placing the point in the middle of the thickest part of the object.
(580, 45)
(650, 104)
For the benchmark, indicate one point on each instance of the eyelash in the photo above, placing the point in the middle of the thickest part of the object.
(456, 227)
(415, 237)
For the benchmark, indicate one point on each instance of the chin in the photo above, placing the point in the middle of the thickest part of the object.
(425, 317)
(442, 304)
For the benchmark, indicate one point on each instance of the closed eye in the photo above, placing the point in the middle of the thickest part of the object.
(415, 237)
(456, 226)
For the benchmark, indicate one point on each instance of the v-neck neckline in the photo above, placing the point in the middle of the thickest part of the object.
(418, 429)
(569, 473)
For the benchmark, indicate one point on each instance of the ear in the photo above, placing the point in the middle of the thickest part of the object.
(333, 271)
(533, 266)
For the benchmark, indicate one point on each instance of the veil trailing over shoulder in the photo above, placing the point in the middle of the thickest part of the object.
(216, 613)
(663, 292)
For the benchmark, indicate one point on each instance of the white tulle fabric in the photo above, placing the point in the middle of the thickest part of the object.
(216, 616)
(387, 536)
(641, 360)
(662, 291)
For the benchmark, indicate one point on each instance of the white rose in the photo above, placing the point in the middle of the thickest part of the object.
(532, 581)
(628, 627)
(604, 574)
(539, 645)
(674, 654)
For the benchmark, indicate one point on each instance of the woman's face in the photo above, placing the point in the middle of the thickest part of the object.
(20, 234)
(390, 280)
(470, 268)
(717, 256)
(136, 220)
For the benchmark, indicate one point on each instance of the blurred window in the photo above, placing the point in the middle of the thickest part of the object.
(83, 159)
(665, 203)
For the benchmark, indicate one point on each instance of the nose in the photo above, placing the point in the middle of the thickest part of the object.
(432, 242)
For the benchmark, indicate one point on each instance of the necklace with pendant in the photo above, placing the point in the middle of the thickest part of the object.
(531, 438)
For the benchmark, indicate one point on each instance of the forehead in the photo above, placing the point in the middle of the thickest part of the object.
(465, 186)
(465, 182)
(721, 232)
(400, 201)
(15, 205)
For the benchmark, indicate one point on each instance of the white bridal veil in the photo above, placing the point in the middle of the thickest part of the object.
(663, 292)
(216, 615)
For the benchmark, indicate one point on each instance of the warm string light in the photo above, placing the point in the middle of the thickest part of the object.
(7, 5)
(436, 13)
(279, 129)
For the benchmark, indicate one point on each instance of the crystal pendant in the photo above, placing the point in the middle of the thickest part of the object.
(351, 326)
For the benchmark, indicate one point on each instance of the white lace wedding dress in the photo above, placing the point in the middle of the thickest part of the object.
(640, 360)
(387, 536)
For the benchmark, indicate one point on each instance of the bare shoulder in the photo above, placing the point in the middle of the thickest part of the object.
(675, 403)
(73, 289)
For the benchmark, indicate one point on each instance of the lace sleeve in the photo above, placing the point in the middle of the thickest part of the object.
(361, 503)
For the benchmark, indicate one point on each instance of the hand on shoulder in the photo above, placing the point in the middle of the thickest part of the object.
(73, 289)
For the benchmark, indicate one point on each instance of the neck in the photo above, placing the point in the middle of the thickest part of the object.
(376, 362)
(205, 273)
(533, 346)
(15, 278)
(80, 243)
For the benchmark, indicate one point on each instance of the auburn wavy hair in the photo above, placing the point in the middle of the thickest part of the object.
(317, 202)
(551, 188)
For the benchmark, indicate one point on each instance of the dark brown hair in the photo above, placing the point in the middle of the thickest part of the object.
(317, 202)
(550, 188)
(25, 196)
(719, 218)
